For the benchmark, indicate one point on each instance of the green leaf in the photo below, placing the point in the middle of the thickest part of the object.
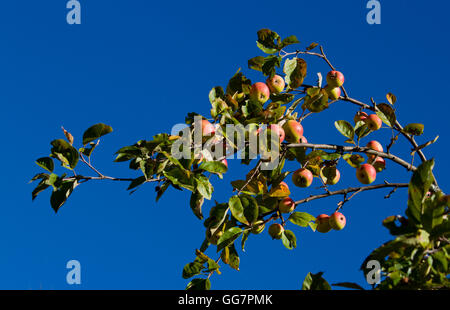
(316, 103)
(59, 197)
(289, 240)
(289, 41)
(231, 257)
(245, 235)
(251, 210)
(196, 203)
(256, 63)
(239, 84)
(46, 163)
(268, 41)
(315, 282)
(212, 266)
(228, 237)
(217, 215)
(354, 160)
(386, 114)
(391, 98)
(96, 131)
(345, 128)
(40, 188)
(295, 70)
(414, 129)
(214, 167)
(199, 284)
(237, 209)
(362, 131)
(270, 65)
(312, 46)
(192, 269)
(301, 218)
(204, 187)
(136, 182)
(65, 153)
(417, 190)
(216, 93)
(265, 49)
(351, 285)
(179, 176)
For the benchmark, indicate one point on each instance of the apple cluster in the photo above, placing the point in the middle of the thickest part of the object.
(367, 173)
(335, 221)
(335, 80)
(292, 131)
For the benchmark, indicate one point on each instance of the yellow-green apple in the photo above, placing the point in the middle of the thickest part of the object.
(302, 177)
(323, 224)
(330, 175)
(276, 231)
(360, 116)
(335, 79)
(287, 205)
(276, 84)
(293, 131)
(373, 122)
(379, 164)
(259, 92)
(333, 92)
(337, 221)
(366, 174)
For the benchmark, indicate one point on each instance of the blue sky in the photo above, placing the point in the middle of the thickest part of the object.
(141, 66)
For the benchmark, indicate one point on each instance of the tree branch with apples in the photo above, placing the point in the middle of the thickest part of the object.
(272, 112)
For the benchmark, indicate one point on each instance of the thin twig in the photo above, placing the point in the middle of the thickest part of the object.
(351, 190)
(356, 149)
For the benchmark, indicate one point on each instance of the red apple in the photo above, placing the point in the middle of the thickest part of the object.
(259, 92)
(333, 93)
(276, 84)
(293, 131)
(337, 221)
(287, 205)
(379, 164)
(208, 129)
(278, 130)
(302, 177)
(376, 146)
(276, 231)
(323, 224)
(360, 116)
(373, 122)
(225, 162)
(366, 174)
(335, 79)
